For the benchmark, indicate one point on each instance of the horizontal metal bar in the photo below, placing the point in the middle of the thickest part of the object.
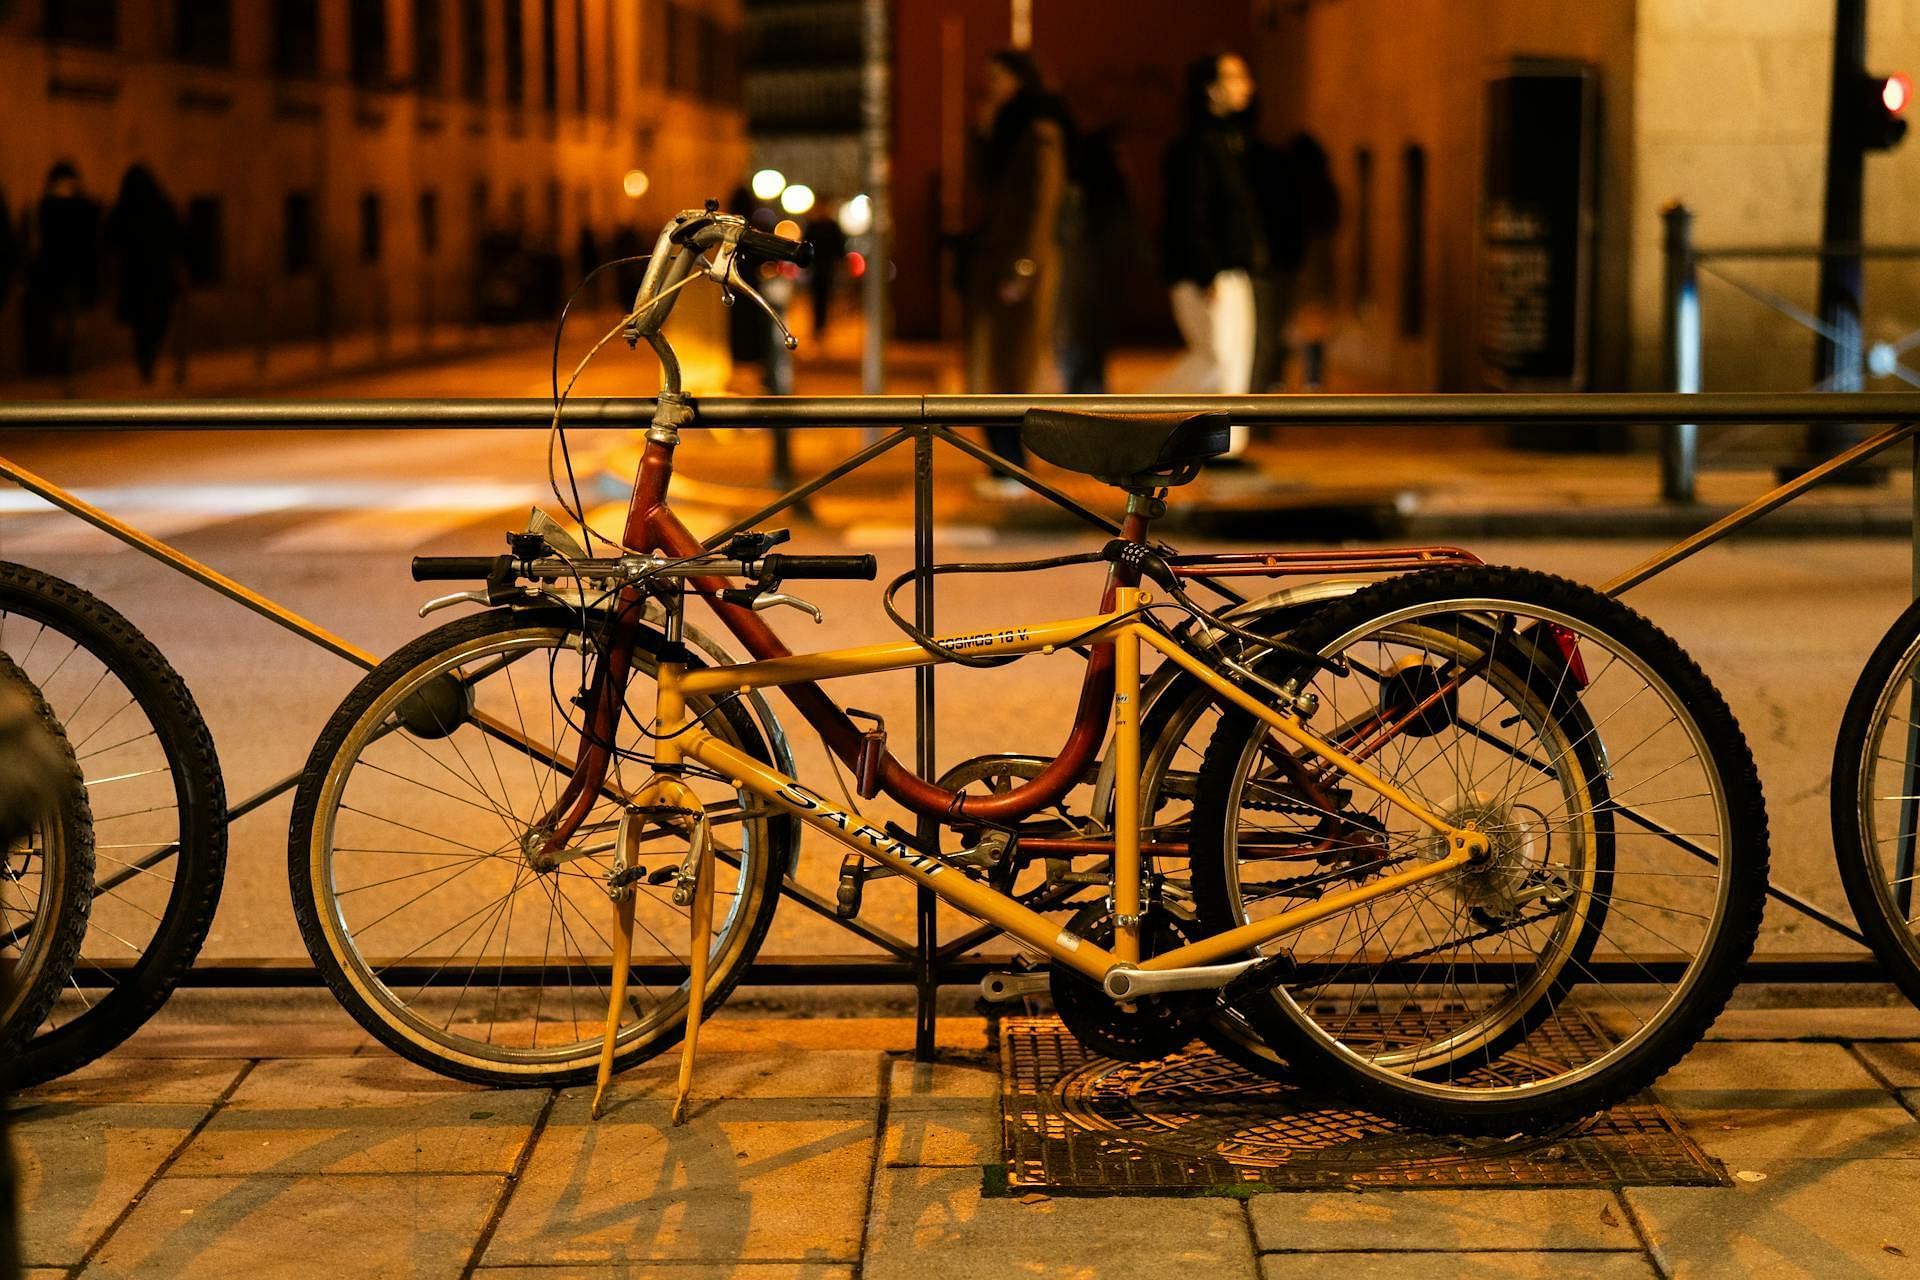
(860, 970)
(1727, 408)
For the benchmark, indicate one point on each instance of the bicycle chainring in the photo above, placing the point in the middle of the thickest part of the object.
(1134, 1030)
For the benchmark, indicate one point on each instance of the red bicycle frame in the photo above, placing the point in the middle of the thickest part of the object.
(652, 526)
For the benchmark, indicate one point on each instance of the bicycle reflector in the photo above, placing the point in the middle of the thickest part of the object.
(1884, 104)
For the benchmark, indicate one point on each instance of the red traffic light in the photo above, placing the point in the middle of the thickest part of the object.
(1896, 91)
(1883, 108)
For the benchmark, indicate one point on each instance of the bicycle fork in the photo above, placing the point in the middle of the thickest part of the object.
(663, 790)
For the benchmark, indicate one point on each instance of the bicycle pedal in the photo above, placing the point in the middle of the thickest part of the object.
(853, 883)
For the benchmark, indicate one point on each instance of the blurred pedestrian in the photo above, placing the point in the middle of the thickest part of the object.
(1012, 265)
(144, 232)
(627, 276)
(1100, 244)
(829, 251)
(1214, 242)
(9, 251)
(1317, 201)
(63, 273)
(586, 251)
(30, 769)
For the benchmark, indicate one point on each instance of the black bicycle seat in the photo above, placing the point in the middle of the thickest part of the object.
(1133, 450)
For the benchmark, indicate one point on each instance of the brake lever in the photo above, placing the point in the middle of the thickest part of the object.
(762, 603)
(726, 269)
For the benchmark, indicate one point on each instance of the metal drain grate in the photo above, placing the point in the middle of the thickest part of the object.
(1072, 1122)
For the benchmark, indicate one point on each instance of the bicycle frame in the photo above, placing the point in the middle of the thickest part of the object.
(682, 740)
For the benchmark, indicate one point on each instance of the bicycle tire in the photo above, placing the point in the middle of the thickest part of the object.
(139, 991)
(1226, 1031)
(1707, 982)
(1869, 890)
(46, 947)
(356, 982)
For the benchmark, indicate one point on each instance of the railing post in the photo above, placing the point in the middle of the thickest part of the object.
(1680, 351)
(926, 963)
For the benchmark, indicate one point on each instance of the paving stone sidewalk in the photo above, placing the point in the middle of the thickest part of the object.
(818, 1149)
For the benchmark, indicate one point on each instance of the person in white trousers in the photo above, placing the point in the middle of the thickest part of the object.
(1212, 239)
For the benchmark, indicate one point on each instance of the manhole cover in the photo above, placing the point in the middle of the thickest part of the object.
(1072, 1122)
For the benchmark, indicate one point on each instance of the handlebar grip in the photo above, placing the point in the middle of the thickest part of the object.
(860, 568)
(762, 244)
(454, 568)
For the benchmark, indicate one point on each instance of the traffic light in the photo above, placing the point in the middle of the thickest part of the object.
(1885, 106)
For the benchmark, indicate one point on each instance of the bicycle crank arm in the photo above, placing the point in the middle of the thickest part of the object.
(999, 988)
(1130, 984)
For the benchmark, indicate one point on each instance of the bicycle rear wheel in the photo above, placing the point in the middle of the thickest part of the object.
(410, 871)
(158, 806)
(46, 885)
(1608, 924)
(1876, 800)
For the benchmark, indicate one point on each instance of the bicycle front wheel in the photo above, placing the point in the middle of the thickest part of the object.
(1596, 941)
(411, 867)
(1876, 800)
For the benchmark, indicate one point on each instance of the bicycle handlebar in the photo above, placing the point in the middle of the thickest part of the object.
(454, 568)
(762, 244)
(863, 568)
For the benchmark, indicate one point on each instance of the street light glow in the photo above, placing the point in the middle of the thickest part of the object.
(1895, 93)
(768, 183)
(797, 199)
(635, 184)
(856, 216)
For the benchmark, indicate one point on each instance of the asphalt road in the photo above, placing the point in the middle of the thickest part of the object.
(325, 522)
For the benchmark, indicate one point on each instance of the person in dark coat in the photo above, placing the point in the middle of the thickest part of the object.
(1013, 255)
(63, 274)
(1214, 242)
(829, 250)
(144, 232)
(1101, 242)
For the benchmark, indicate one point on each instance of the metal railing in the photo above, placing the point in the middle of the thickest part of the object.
(1683, 323)
(924, 422)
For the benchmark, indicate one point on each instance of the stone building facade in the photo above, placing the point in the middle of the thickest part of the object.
(1721, 104)
(339, 163)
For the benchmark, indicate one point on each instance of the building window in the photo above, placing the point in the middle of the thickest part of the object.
(370, 228)
(297, 233)
(89, 22)
(549, 55)
(580, 56)
(610, 46)
(206, 246)
(203, 32)
(1363, 228)
(429, 63)
(429, 223)
(296, 38)
(369, 43)
(682, 47)
(515, 55)
(1413, 248)
(473, 50)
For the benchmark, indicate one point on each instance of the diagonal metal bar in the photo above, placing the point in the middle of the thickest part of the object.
(800, 493)
(1769, 501)
(205, 575)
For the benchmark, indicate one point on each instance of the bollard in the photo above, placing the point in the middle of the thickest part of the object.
(1680, 351)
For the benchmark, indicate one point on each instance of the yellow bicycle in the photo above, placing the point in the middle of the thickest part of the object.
(1480, 847)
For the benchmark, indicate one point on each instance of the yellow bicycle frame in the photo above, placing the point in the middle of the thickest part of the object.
(681, 741)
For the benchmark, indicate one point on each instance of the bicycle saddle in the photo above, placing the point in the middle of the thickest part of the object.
(1133, 450)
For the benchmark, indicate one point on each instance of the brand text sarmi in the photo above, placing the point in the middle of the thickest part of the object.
(816, 808)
